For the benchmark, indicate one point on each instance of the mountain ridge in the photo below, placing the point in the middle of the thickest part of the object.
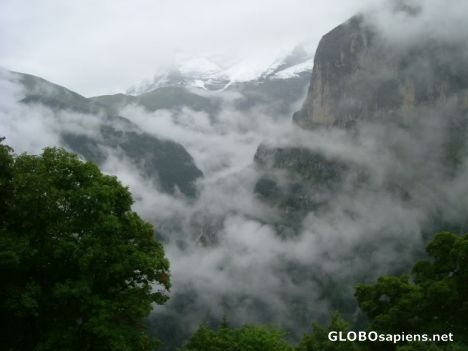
(206, 74)
(164, 161)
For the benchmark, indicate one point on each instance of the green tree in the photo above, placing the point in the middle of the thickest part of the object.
(246, 338)
(79, 269)
(318, 340)
(6, 174)
(433, 299)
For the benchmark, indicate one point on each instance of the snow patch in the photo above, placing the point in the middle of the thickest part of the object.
(294, 71)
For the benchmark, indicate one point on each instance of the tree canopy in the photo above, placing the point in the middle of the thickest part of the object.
(245, 338)
(318, 339)
(79, 269)
(432, 299)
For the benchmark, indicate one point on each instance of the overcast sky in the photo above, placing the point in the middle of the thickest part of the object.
(102, 47)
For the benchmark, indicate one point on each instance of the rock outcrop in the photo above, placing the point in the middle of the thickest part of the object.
(360, 74)
(361, 78)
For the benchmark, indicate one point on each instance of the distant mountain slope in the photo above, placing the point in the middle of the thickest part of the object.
(276, 96)
(205, 73)
(274, 89)
(167, 98)
(39, 90)
(114, 102)
(164, 161)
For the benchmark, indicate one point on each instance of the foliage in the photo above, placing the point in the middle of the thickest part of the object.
(318, 339)
(79, 269)
(246, 338)
(433, 299)
(6, 174)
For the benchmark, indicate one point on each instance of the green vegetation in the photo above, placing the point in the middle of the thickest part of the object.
(433, 299)
(165, 161)
(248, 338)
(318, 339)
(79, 269)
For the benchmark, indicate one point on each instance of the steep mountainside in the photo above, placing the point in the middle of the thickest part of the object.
(413, 96)
(359, 75)
(164, 161)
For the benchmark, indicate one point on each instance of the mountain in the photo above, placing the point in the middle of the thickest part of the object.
(163, 161)
(163, 98)
(202, 85)
(380, 155)
(207, 74)
(41, 91)
(274, 90)
(359, 76)
(409, 100)
(278, 87)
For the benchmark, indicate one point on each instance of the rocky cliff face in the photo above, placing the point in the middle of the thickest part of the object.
(336, 59)
(361, 75)
(410, 97)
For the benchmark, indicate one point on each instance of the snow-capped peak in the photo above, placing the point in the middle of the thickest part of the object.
(215, 73)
